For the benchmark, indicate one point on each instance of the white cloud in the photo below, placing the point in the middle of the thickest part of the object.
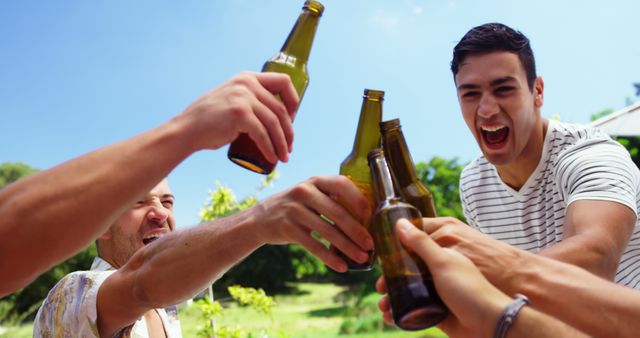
(388, 21)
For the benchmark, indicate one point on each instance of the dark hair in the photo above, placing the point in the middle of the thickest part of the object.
(493, 37)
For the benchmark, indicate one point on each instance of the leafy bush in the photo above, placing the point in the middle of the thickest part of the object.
(364, 317)
(256, 299)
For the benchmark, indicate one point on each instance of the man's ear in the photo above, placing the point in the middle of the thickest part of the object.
(538, 92)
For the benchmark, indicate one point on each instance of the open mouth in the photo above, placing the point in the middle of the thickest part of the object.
(495, 136)
(151, 238)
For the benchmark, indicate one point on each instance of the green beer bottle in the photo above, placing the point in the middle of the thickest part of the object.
(355, 166)
(291, 60)
(415, 304)
(403, 170)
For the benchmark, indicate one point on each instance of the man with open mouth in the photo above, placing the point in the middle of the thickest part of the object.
(562, 190)
(144, 266)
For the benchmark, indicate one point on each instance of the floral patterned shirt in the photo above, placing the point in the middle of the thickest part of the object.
(70, 308)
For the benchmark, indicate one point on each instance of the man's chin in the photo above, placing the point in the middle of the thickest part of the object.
(497, 158)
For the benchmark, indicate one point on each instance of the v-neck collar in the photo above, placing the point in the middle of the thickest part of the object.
(530, 183)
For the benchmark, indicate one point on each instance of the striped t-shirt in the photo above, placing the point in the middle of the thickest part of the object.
(577, 163)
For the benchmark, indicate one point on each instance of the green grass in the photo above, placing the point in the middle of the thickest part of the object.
(311, 313)
(25, 331)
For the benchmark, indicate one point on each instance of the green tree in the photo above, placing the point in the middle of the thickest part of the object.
(23, 304)
(442, 177)
(11, 172)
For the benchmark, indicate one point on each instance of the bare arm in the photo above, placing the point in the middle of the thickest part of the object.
(596, 234)
(571, 294)
(474, 304)
(171, 270)
(532, 323)
(181, 264)
(64, 208)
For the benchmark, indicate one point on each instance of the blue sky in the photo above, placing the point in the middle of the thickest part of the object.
(79, 75)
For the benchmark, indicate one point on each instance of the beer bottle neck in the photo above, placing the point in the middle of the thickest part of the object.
(382, 181)
(399, 157)
(367, 135)
(300, 39)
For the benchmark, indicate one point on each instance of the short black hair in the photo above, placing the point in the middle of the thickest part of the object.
(494, 37)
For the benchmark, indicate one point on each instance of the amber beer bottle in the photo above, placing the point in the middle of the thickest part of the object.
(356, 167)
(415, 305)
(291, 60)
(403, 170)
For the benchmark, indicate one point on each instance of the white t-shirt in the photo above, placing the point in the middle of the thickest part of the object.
(70, 308)
(577, 163)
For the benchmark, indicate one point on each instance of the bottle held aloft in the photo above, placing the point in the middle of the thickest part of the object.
(415, 304)
(403, 170)
(292, 60)
(356, 167)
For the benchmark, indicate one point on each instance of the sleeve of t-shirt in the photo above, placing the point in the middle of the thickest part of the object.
(70, 308)
(465, 206)
(598, 170)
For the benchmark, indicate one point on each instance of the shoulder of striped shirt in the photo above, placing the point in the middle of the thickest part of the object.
(580, 131)
(475, 164)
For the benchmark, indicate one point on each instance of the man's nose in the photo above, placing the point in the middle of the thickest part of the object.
(488, 106)
(157, 214)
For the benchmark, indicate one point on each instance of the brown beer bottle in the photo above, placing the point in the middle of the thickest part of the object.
(291, 60)
(356, 167)
(415, 305)
(403, 170)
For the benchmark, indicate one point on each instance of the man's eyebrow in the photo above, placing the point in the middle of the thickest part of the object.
(468, 86)
(502, 80)
(169, 196)
(493, 83)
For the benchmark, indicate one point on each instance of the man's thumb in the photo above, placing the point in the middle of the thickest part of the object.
(416, 240)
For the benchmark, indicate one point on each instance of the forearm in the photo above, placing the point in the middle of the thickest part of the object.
(51, 215)
(595, 235)
(182, 264)
(531, 323)
(584, 301)
(596, 255)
